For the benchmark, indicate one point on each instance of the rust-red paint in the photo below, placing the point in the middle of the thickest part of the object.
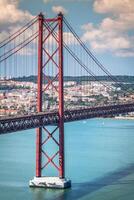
(39, 95)
(61, 99)
(58, 25)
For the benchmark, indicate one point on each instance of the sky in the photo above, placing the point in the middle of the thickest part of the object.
(106, 26)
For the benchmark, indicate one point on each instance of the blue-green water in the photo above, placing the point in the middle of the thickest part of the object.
(99, 161)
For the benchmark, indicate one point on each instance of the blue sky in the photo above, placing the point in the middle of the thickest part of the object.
(106, 26)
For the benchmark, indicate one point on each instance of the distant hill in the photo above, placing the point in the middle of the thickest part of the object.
(120, 78)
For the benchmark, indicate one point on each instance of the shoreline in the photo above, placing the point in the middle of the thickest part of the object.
(124, 117)
(118, 117)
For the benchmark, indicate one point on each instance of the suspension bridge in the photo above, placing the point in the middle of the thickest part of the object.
(66, 87)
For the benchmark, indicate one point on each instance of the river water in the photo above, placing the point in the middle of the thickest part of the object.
(99, 161)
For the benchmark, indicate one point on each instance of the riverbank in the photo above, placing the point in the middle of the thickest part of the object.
(124, 117)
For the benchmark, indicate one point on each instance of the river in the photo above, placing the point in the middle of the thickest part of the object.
(99, 156)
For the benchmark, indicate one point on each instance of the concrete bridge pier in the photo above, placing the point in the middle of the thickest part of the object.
(50, 182)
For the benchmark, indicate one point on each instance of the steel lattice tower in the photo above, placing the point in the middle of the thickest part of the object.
(40, 180)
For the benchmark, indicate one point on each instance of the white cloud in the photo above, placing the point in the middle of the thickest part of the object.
(11, 19)
(69, 38)
(125, 53)
(11, 14)
(112, 34)
(114, 6)
(58, 9)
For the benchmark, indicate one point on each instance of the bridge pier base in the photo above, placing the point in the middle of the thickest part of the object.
(50, 182)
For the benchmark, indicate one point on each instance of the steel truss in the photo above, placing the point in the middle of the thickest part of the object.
(46, 59)
(13, 124)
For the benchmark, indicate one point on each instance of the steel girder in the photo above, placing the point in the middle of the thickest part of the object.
(13, 124)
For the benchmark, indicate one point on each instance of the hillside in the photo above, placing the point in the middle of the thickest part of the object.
(120, 78)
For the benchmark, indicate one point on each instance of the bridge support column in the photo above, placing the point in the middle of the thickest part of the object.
(44, 134)
(50, 182)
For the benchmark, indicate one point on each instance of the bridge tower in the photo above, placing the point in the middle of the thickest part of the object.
(43, 58)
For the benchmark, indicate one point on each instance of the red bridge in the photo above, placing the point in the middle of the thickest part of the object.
(79, 92)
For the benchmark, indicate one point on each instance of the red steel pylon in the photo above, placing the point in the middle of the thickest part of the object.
(50, 29)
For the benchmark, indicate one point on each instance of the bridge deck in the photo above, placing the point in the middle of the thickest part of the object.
(13, 124)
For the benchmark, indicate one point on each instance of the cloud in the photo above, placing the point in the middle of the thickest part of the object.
(125, 53)
(11, 14)
(11, 17)
(58, 9)
(11, 20)
(69, 38)
(113, 32)
(114, 6)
